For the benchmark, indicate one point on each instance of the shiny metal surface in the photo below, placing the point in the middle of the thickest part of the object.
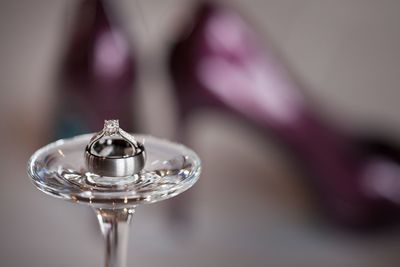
(114, 153)
(116, 167)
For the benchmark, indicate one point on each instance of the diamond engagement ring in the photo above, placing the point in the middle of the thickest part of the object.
(113, 152)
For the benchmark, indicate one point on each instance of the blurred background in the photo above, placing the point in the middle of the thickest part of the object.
(251, 208)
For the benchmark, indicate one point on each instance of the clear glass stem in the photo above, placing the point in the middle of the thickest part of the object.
(114, 224)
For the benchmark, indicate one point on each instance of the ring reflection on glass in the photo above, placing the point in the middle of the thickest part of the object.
(114, 153)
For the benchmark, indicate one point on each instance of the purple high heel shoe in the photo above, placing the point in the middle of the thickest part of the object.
(220, 62)
(97, 72)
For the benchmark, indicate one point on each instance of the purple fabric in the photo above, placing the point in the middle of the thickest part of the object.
(221, 62)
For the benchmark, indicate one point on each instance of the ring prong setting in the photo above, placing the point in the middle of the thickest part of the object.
(111, 127)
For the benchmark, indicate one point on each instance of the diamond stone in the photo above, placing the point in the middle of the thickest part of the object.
(111, 127)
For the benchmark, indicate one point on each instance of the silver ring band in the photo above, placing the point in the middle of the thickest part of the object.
(114, 153)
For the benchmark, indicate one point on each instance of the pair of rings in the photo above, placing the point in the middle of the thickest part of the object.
(113, 152)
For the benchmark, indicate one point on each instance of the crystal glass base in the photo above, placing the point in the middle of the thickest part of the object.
(59, 169)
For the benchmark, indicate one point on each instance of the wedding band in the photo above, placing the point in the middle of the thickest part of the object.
(114, 153)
